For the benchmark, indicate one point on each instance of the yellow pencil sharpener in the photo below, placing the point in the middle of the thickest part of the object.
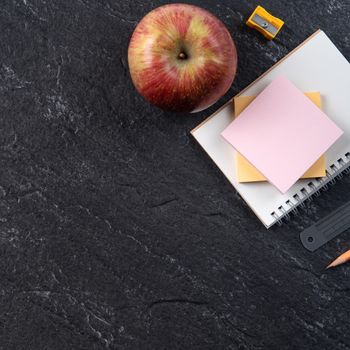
(265, 23)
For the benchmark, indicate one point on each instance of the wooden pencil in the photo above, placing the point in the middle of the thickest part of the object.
(340, 260)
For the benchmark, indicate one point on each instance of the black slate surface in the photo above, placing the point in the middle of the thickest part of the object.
(116, 230)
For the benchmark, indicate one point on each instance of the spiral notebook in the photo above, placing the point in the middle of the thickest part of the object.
(315, 65)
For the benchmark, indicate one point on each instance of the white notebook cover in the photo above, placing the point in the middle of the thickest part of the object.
(315, 65)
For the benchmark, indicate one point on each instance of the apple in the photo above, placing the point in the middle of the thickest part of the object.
(182, 58)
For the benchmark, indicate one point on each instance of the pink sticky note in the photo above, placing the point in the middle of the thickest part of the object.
(282, 133)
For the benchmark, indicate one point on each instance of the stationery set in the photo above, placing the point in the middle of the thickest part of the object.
(287, 135)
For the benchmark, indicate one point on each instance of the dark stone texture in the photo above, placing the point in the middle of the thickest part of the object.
(116, 230)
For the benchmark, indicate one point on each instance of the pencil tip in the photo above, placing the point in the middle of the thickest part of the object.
(335, 263)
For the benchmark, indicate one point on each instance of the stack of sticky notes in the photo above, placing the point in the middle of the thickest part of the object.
(280, 135)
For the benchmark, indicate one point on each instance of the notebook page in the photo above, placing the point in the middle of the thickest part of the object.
(315, 66)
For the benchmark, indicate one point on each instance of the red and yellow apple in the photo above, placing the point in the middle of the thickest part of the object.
(182, 58)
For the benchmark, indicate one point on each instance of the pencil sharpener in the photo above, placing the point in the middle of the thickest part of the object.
(265, 23)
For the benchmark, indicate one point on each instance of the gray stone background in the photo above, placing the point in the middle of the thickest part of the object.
(116, 230)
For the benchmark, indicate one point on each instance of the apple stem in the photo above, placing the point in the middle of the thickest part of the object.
(182, 56)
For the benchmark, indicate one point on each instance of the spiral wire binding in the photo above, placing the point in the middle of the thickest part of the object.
(335, 172)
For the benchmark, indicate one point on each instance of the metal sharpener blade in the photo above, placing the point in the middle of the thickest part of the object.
(263, 23)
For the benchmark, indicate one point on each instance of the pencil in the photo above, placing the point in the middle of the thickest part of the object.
(340, 259)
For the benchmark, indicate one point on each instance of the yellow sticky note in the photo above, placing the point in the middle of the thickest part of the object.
(246, 172)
